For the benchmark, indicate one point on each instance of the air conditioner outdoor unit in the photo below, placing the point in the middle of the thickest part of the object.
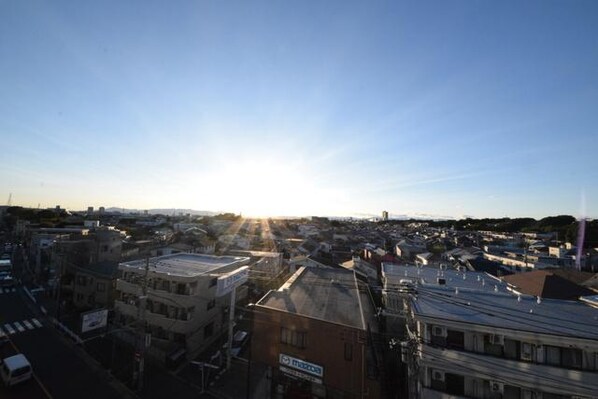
(497, 339)
(438, 375)
(526, 352)
(438, 331)
(497, 387)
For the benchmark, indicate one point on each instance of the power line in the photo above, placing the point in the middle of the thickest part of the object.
(495, 312)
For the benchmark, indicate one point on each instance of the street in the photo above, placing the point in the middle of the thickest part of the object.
(60, 369)
(60, 372)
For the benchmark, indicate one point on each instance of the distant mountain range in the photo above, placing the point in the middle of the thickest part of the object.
(179, 211)
(163, 211)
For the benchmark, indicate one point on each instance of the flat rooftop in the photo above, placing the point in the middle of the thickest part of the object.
(428, 276)
(332, 295)
(186, 265)
(499, 310)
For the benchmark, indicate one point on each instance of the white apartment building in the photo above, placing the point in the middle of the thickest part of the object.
(400, 281)
(473, 344)
(182, 310)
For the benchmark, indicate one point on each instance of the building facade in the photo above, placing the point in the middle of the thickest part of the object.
(182, 309)
(467, 344)
(317, 334)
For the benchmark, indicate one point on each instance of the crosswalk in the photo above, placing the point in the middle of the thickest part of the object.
(19, 327)
(5, 290)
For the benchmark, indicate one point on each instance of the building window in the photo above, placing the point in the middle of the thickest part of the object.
(571, 358)
(213, 282)
(101, 287)
(180, 338)
(180, 288)
(348, 351)
(211, 304)
(208, 330)
(293, 338)
(553, 355)
(455, 384)
(455, 339)
(190, 312)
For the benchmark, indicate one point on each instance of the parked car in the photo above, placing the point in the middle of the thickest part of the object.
(239, 340)
(15, 369)
(6, 280)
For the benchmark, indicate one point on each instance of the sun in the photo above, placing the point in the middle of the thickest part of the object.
(260, 188)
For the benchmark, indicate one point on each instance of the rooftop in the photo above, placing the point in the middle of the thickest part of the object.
(185, 264)
(332, 295)
(428, 276)
(546, 284)
(499, 310)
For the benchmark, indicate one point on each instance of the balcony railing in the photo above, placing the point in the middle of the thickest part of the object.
(156, 319)
(520, 373)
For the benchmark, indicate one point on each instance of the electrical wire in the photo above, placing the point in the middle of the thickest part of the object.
(474, 368)
(508, 314)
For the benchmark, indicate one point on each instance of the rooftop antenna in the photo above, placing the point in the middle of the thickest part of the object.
(9, 202)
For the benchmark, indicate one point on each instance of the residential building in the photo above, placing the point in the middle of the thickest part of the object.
(363, 268)
(546, 284)
(318, 336)
(93, 286)
(306, 261)
(182, 310)
(473, 344)
(424, 258)
(400, 280)
(266, 271)
(407, 249)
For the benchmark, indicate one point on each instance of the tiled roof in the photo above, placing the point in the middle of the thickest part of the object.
(546, 284)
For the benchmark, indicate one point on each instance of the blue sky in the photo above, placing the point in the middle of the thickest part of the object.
(302, 108)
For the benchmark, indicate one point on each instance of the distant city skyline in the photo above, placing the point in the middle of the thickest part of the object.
(436, 108)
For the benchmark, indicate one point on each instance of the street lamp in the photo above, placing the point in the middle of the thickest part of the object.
(250, 308)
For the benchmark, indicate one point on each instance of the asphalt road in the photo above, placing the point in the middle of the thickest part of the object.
(60, 371)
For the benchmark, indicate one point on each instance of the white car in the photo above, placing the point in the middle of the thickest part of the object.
(15, 369)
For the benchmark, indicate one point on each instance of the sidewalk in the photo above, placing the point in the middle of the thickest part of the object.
(234, 383)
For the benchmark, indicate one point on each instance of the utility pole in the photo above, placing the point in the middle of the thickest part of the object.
(142, 338)
(231, 322)
(61, 252)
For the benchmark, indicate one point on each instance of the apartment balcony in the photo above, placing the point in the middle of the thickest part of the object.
(165, 297)
(158, 320)
(550, 378)
(128, 288)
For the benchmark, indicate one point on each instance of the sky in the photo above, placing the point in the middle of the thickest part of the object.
(271, 108)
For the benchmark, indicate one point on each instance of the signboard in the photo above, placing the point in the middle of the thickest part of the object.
(94, 320)
(297, 374)
(231, 280)
(301, 365)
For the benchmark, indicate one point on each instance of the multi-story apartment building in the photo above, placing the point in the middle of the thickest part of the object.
(473, 344)
(317, 334)
(182, 311)
(399, 281)
(93, 286)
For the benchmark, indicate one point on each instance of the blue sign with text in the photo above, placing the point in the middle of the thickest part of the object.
(302, 365)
